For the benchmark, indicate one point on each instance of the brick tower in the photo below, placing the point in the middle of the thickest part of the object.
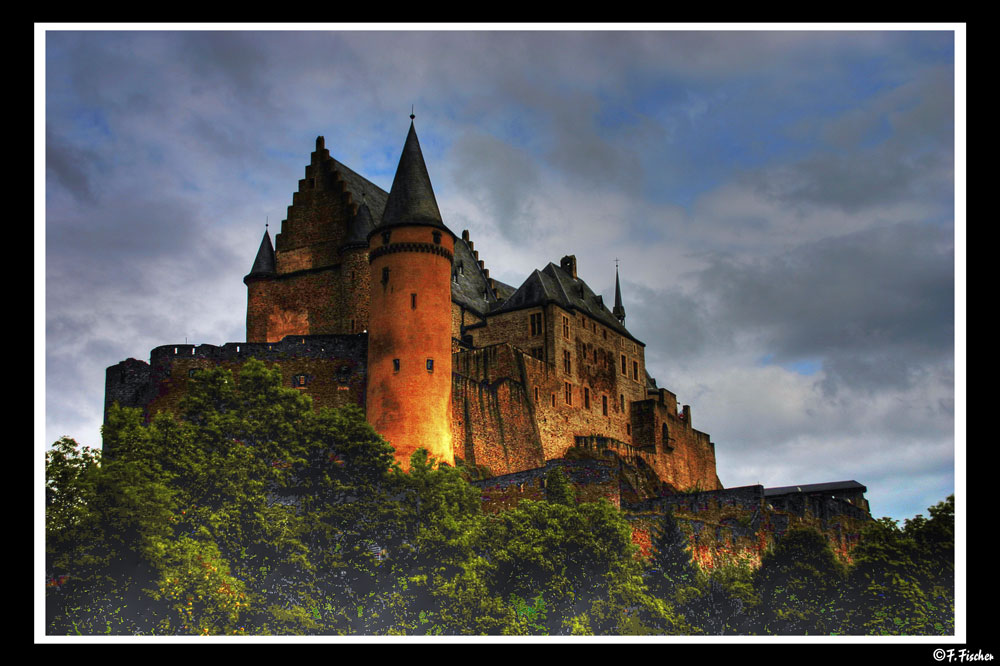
(409, 329)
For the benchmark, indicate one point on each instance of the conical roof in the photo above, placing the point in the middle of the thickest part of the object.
(411, 198)
(360, 226)
(264, 264)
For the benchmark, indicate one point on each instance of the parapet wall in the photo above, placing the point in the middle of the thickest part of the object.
(738, 525)
(331, 369)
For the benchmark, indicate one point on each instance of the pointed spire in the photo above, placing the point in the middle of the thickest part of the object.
(619, 310)
(411, 199)
(264, 264)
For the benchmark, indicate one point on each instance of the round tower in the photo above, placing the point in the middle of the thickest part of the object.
(409, 322)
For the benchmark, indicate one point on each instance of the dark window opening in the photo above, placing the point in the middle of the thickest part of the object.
(385, 275)
(604, 405)
(385, 237)
(437, 237)
(430, 365)
(586, 397)
(413, 301)
(395, 365)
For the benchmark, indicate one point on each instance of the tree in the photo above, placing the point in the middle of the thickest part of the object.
(799, 583)
(902, 580)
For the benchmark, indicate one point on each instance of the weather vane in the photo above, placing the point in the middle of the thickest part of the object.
(411, 113)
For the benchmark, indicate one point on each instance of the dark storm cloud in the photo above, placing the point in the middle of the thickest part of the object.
(876, 306)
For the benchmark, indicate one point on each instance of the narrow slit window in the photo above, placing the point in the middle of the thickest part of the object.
(395, 365)
(413, 301)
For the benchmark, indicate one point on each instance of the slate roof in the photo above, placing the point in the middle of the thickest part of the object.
(552, 284)
(264, 263)
(363, 190)
(830, 487)
(469, 283)
(411, 197)
(359, 228)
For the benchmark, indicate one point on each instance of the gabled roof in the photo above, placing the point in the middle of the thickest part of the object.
(362, 190)
(552, 284)
(830, 487)
(469, 285)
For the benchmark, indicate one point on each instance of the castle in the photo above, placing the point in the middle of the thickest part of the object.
(369, 298)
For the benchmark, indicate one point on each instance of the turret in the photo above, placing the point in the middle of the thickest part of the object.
(257, 281)
(409, 335)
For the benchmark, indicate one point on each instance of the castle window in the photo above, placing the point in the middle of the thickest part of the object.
(385, 237)
(595, 354)
(536, 394)
(624, 365)
(536, 323)
(553, 399)
(567, 362)
(395, 365)
(437, 237)
(565, 327)
(622, 395)
(635, 370)
(430, 365)
(299, 381)
(461, 268)
(413, 301)
(604, 333)
(568, 390)
(352, 325)
(586, 397)
(385, 275)
(538, 352)
(666, 435)
(604, 405)
(628, 428)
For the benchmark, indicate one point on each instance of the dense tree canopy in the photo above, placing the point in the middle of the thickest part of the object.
(248, 512)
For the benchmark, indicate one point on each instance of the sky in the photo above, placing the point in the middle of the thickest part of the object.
(782, 205)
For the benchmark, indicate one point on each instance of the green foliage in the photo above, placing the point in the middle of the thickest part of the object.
(902, 580)
(799, 583)
(251, 513)
(558, 489)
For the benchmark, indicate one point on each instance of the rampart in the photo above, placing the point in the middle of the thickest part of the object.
(329, 368)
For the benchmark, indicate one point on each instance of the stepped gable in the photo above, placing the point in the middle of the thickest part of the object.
(470, 282)
(363, 190)
(553, 284)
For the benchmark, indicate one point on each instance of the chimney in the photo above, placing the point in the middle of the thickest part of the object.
(568, 264)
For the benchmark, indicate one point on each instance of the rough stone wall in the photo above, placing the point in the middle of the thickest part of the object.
(737, 526)
(304, 303)
(493, 425)
(334, 369)
(592, 479)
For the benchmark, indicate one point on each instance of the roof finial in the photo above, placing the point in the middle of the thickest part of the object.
(266, 220)
(411, 113)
